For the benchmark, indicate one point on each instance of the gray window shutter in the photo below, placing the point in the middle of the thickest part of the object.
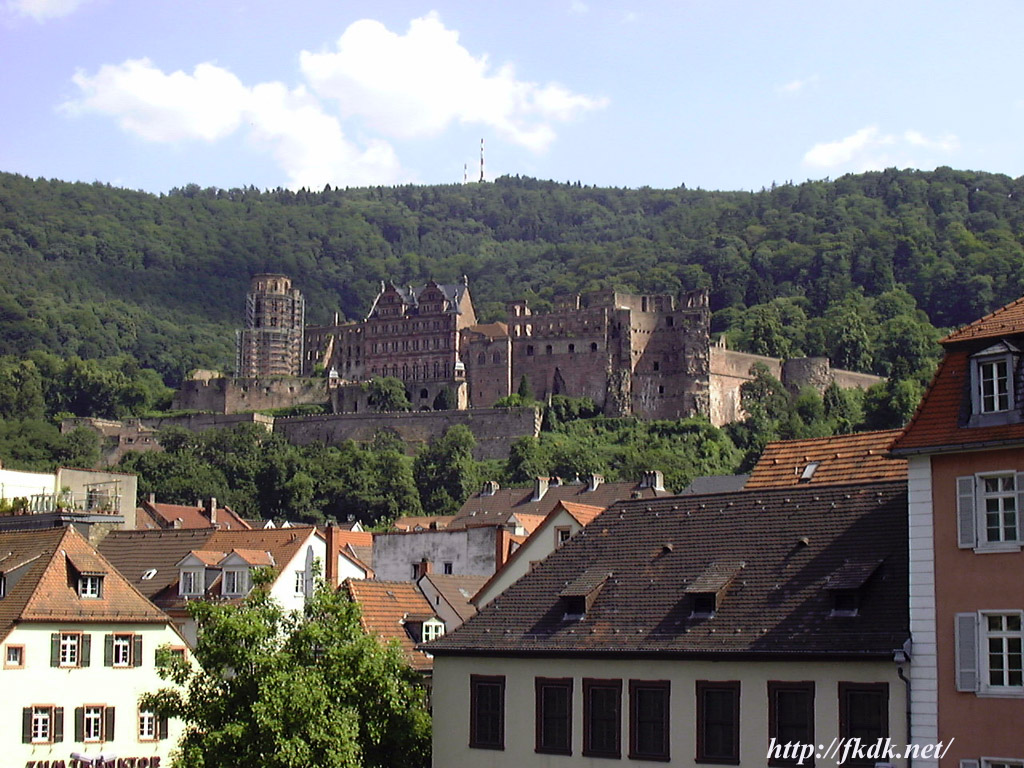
(108, 724)
(967, 652)
(162, 732)
(26, 725)
(58, 724)
(966, 522)
(137, 651)
(970, 764)
(55, 649)
(108, 650)
(79, 724)
(86, 649)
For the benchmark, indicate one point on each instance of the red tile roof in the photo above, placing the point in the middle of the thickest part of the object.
(787, 544)
(48, 589)
(857, 458)
(385, 605)
(457, 591)
(581, 513)
(165, 515)
(424, 522)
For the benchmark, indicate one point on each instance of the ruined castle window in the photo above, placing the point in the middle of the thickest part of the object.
(547, 349)
(496, 357)
(481, 358)
(572, 348)
(415, 370)
(423, 394)
(657, 365)
(670, 321)
(661, 390)
(593, 346)
(415, 344)
(529, 350)
(437, 369)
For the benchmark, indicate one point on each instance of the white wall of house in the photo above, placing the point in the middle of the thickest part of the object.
(37, 683)
(541, 543)
(471, 551)
(451, 705)
(14, 484)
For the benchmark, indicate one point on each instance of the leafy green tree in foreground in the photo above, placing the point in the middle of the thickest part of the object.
(284, 689)
(387, 394)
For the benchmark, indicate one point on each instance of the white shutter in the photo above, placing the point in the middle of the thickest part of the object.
(966, 521)
(1020, 503)
(967, 652)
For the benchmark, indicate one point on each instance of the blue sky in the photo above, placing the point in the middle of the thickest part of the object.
(156, 94)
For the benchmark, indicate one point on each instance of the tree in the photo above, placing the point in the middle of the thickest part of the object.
(387, 394)
(446, 400)
(525, 391)
(445, 472)
(286, 689)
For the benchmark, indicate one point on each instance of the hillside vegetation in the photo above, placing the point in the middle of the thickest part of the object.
(861, 268)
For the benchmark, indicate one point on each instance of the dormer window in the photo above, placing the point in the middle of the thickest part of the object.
(578, 597)
(845, 602)
(993, 399)
(191, 582)
(236, 582)
(846, 585)
(432, 629)
(90, 585)
(703, 604)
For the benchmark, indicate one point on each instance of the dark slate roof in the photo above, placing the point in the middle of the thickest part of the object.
(778, 552)
(149, 559)
(716, 484)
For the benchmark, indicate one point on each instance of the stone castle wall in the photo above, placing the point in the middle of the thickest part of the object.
(495, 429)
(239, 395)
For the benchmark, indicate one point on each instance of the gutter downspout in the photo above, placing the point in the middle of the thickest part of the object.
(906, 680)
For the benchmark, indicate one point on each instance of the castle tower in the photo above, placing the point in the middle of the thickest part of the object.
(271, 342)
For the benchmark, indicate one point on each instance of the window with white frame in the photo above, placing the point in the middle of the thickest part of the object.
(990, 652)
(147, 726)
(122, 650)
(191, 581)
(993, 397)
(69, 649)
(236, 581)
(14, 657)
(1001, 763)
(432, 629)
(42, 725)
(300, 582)
(92, 724)
(90, 585)
(988, 511)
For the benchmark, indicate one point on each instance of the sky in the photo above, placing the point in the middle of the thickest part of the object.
(719, 94)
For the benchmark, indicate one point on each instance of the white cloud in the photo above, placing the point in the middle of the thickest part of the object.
(212, 103)
(795, 86)
(870, 149)
(418, 84)
(41, 10)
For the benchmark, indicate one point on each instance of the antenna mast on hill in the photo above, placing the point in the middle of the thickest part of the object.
(481, 159)
(465, 173)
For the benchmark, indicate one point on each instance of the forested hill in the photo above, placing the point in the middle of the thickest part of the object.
(835, 267)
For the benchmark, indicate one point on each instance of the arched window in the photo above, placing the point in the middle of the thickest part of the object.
(593, 346)
(481, 358)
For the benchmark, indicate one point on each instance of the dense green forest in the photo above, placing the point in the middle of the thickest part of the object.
(864, 265)
(109, 296)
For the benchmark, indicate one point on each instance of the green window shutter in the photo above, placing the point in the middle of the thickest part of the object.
(108, 724)
(137, 651)
(86, 649)
(967, 652)
(966, 522)
(26, 725)
(55, 649)
(58, 724)
(79, 724)
(108, 650)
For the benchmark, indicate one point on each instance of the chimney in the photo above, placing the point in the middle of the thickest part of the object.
(211, 510)
(540, 487)
(654, 480)
(593, 481)
(490, 488)
(423, 568)
(176, 523)
(152, 498)
(333, 550)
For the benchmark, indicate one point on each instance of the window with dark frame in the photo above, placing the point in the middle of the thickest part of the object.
(487, 711)
(718, 722)
(790, 717)
(863, 714)
(648, 719)
(553, 713)
(602, 718)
